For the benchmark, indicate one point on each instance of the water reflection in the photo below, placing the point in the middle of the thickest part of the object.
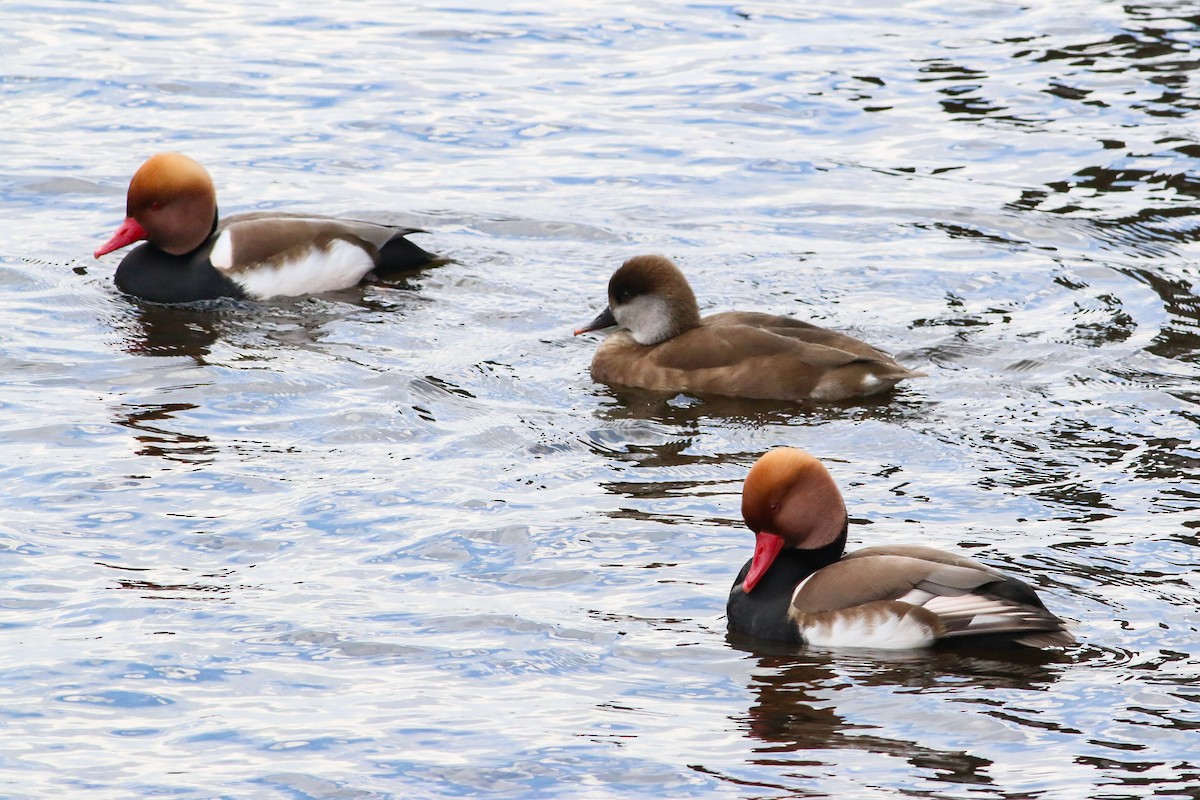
(159, 440)
(1163, 54)
(1020, 176)
(206, 586)
(157, 330)
(963, 98)
(688, 408)
(1181, 339)
(796, 692)
(190, 330)
(686, 415)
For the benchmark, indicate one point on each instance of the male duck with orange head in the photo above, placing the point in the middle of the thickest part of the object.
(801, 586)
(189, 254)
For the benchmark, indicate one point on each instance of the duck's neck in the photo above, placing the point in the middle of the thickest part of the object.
(203, 242)
(763, 613)
(684, 314)
(212, 230)
(823, 556)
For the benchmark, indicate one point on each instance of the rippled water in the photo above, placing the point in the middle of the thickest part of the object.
(394, 543)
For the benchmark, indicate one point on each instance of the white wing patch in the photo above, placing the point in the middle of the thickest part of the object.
(338, 266)
(222, 252)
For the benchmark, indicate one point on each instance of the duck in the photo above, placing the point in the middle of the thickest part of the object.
(663, 344)
(189, 253)
(801, 587)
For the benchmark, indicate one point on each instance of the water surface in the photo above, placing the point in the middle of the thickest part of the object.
(394, 542)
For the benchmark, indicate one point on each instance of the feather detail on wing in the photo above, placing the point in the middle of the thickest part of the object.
(274, 254)
(257, 240)
(376, 234)
(973, 614)
(854, 581)
(963, 597)
(797, 330)
(728, 345)
(741, 361)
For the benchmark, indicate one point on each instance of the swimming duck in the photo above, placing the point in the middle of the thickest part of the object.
(802, 587)
(663, 344)
(191, 255)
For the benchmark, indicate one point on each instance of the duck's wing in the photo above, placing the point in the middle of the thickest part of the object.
(378, 233)
(756, 319)
(907, 597)
(745, 361)
(722, 346)
(924, 553)
(344, 250)
(798, 330)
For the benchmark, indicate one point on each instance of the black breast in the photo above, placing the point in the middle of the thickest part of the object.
(763, 613)
(155, 275)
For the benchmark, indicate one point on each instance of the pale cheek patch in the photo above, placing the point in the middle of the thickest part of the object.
(339, 266)
(647, 317)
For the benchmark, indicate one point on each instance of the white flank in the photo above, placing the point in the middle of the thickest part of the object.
(870, 383)
(892, 632)
(339, 266)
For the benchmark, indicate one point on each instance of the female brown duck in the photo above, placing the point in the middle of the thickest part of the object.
(663, 344)
(801, 587)
(190, 255)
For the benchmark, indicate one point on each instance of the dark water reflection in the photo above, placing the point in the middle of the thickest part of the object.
(157, 330)
(393, 542)
(795, 719)
(149, 422)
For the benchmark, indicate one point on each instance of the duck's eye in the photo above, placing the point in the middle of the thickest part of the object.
(156, 206)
